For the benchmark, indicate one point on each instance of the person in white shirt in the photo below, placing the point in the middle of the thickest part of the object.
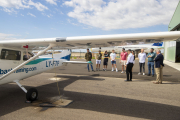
(129, 65)
(142, 59)
(113, 60)
(133, 53)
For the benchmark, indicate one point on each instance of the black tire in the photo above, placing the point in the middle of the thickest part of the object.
(32, 94)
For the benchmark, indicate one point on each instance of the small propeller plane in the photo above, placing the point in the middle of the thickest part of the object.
(17, 61)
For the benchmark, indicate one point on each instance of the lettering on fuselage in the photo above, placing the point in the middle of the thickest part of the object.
(26, 70)
(52, 64)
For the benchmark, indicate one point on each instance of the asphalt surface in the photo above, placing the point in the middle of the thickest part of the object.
(96, 95)
(170, 74)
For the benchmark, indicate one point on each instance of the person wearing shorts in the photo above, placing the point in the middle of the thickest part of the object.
(123, 59)
(105, 63)
(98, 60)
(113, 60)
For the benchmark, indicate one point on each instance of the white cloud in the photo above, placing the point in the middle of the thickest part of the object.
(38, 5)
(50, 15)
(4, 36)
(122, 14)
(70, 21)
(11, 10)
(52, 2)
(10, 5)
(31, 14)
(59, 11)
(22, 15)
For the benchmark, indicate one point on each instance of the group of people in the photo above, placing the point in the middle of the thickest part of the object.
(127, 60)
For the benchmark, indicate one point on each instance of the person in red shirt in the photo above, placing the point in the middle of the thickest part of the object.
(123, 59)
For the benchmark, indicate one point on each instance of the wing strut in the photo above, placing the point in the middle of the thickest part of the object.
(24, 63)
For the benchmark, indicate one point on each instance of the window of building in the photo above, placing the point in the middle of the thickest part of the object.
(10, 54)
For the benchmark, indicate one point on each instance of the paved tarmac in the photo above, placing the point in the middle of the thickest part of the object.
(96, 95)
(170, 74)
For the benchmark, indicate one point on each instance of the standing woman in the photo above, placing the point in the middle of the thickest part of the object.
(133, 53)
(105, 63)
(129, 65)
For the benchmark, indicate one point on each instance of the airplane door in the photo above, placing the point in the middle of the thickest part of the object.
(10, 59)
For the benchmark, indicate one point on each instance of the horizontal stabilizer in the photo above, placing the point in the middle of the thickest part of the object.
(77, 62)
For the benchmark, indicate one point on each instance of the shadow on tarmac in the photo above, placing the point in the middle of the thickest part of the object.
(13, 98)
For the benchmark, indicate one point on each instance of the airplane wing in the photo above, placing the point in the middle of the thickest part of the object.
(85, 42)
(92, 41)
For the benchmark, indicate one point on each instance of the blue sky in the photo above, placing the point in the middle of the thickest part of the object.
(61, 18)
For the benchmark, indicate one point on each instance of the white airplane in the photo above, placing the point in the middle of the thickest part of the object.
(146, 47)
(15, 66)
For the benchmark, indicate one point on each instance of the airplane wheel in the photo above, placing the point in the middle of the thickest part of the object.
(32, 94)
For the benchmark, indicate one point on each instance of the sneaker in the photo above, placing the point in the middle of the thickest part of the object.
(143, 73)
(96, 69)
(139, 73)
(116, 70)
(105, 70)
(112, 70)
(88, 70)
(122, 72)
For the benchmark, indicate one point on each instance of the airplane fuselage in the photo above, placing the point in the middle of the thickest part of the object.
(39, 65)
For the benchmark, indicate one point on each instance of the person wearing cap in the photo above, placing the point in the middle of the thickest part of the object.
(129, 65)
(105, 62)
(123, 59)
(113, 60)
(88, 57)
(98, 60)
(151, 55)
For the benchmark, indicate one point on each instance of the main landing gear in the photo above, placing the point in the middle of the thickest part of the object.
(31, 94)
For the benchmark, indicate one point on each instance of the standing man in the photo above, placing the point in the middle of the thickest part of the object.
(105, 63)
(159, 67)
(142, 59)
(123, 59)
(151, 57)
(98, 60)
(129, 65)
(88, 57)
(113, 60)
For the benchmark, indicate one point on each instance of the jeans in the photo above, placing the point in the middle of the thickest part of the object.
(142, 65)
(150, 65)
(113, 62)
(88, 67)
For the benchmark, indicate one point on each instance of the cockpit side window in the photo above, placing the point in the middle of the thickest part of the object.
(27, 56)
(10, 54)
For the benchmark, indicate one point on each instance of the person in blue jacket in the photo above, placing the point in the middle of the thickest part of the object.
(151, 55)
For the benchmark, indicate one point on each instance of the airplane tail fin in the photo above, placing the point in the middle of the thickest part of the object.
(65, 54)
(158, 44)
